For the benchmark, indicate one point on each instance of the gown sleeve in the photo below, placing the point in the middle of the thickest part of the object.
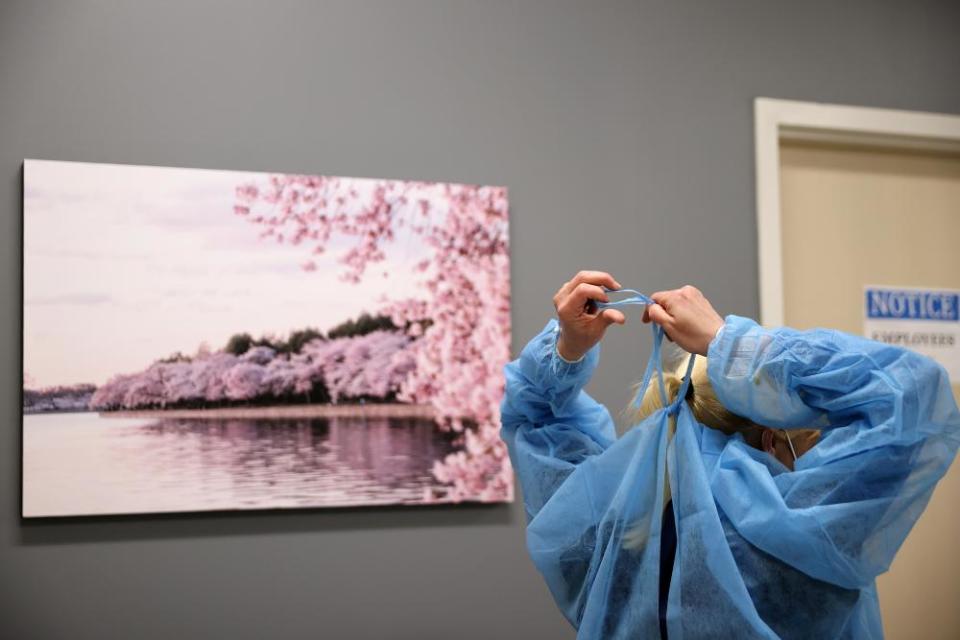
(549, 423)
(552, 429)
(890, 429)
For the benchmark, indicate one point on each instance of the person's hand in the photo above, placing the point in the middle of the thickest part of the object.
(686, 316)
(581, 326)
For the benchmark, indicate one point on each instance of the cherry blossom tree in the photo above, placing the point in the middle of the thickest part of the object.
(243, 380)
(147, 389)
(281, 376)
(370, 366)
(179, 385)
(210, 375)
(259, 355)
(463, 314)
(109, 396)
(367, 366)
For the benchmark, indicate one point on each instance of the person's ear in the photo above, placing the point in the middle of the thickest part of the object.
(766, 439)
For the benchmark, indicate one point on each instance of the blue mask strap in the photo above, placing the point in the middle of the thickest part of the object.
(637, 298)
(682, 395)
(655, 363)
(652, 363)
(657, 356)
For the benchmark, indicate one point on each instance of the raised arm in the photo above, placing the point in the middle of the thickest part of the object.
(891, 429)
(554, 430)
(549, 423)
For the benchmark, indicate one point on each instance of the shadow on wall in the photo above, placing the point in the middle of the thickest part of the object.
(127, 527)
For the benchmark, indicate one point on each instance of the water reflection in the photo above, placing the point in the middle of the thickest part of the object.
(85, 464)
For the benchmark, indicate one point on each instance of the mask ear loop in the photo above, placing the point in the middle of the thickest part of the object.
(790, 442)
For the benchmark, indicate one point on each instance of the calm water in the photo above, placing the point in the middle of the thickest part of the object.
(81, 463)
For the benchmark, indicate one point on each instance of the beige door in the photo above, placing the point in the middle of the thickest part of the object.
(853, 216)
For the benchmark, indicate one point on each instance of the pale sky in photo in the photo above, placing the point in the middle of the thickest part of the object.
(124, 265)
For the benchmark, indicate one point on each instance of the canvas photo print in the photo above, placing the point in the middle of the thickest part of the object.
(198, 340)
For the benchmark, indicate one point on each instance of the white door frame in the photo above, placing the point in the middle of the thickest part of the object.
(776, 120)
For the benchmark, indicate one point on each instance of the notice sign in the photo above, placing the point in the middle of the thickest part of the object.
(925, 320)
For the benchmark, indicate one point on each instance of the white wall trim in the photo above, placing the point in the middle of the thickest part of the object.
(776, 120)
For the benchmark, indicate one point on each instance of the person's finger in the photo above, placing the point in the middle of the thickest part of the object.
(562, 293)
(613, 316)
(662, 298)
(583, 292)
(659, 315)
(599, 278)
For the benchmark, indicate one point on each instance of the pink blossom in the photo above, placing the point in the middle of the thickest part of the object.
(243, 381)
(456, 363)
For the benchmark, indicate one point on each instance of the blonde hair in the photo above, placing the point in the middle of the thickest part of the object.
(707, 408)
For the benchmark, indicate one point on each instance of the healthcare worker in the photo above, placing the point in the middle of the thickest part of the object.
(759, 497)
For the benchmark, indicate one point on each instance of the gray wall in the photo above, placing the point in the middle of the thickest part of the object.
(624, 132)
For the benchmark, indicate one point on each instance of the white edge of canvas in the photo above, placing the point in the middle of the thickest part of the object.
(776, 120)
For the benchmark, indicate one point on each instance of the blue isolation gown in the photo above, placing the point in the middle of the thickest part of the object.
(761, 551)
